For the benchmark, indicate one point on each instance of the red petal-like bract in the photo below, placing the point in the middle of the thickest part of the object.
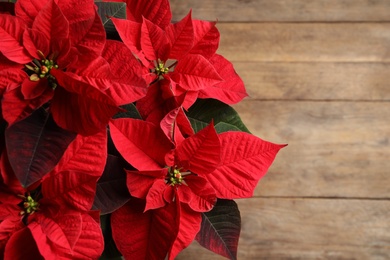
(81, 108)
(151, 233)
(231, 90)
(73, 188)
(154, 42)
(194, 72)
(128, 85)
(11, 32)
(176, 126)
(189, 225)
(245, 159)
(86, 153)
(200, 153)
(52, 23)
(181, 36)
(157, 11)
(142, 144)
(206, 38)
(21, 245)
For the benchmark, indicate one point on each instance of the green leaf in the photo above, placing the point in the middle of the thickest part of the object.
(106, 10)
(220, 229)
(224, 116)
(130, 111)
(110, 252)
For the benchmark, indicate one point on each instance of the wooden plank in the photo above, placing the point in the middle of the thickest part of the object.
(305, 42)
(316, 81)
(309, 229)
(336, 149)
(284, 11)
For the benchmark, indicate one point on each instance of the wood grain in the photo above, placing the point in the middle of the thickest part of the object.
(305, 42)
(316, 80)
(335, 149)
(309, 229)
(283, 11)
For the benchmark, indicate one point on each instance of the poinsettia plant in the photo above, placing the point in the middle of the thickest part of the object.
(118, 135)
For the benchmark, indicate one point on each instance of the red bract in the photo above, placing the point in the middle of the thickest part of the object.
(34, 227)
(183, 56)
(189, 172)
(54, 51)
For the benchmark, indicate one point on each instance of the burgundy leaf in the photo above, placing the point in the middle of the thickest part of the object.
(35, 145)
(111, 189)
(220, 229)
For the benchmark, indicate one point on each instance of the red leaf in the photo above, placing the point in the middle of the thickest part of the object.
(154, 42)
(130, 33)
(155, 198)
(128, 85)
(181, 36)
(21, 245)
(194, 72)
(85, 152)
(157, 11)
(176, 126)
(34, 40)
(142, 153)
(231, 90)
(52, 23)
(140, 182)
(11, 78)
(206, 38)
(197, 193)
(200, 153)
(189, 225)
(28, 10)
(16, 108)
(90, 243)
(140, 235)
(11, 33)
(245, 159)
(75, 189)
(86, 102)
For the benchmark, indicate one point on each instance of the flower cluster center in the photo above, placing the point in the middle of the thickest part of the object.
(160, 69)
(41, 69)
(29, 206)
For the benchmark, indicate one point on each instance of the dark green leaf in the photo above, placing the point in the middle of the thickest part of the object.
(130, 111)
(224, 116)
(111, 9)
(110, 250)
(35, 145)
(220, 229)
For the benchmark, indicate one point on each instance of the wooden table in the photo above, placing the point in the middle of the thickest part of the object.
(318, 75)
